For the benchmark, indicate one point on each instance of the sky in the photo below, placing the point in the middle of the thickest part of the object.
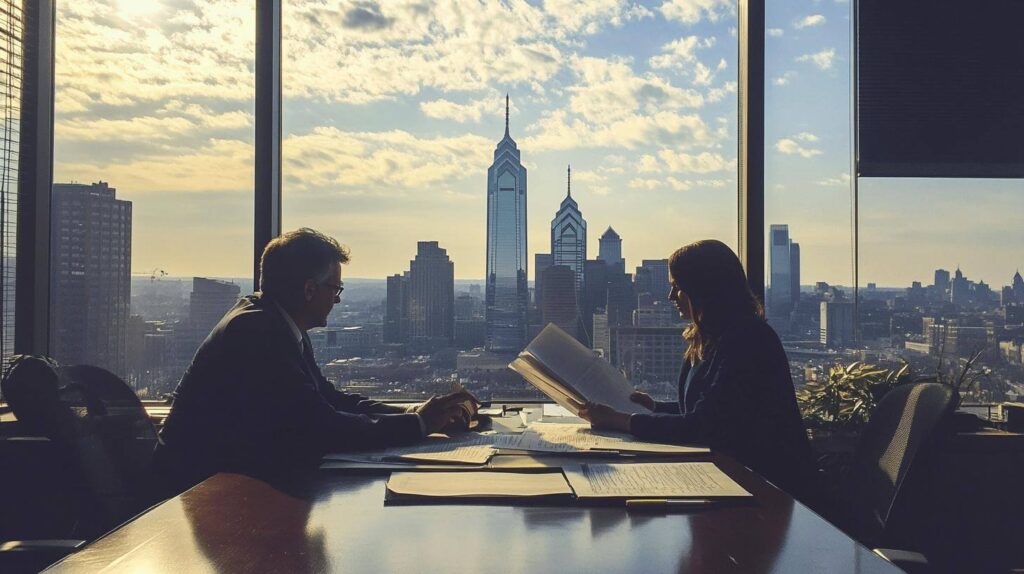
(392, 111)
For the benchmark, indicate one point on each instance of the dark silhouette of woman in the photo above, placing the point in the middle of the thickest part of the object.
(735, 390)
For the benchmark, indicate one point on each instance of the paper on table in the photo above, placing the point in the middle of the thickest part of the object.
(659, 480)
(570, 437)
(466, 449)
(411, 466)
(556, 410)
(477, 484)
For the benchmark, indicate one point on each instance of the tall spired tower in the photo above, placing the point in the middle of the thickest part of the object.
(507, 294)
(569, 236)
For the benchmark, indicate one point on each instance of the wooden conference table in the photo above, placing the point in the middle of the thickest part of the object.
(329, 521)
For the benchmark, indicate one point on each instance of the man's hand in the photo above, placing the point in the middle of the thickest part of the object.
(438, 412)
(643, 399)
(605, 417)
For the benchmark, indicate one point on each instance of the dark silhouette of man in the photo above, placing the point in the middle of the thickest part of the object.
(254, 400)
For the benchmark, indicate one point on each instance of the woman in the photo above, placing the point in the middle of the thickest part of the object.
(735, 391)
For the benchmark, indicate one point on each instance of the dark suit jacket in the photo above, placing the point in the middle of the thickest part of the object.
(252, 402)
(740, 400)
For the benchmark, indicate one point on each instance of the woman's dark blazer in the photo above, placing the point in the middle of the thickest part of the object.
(740, 401)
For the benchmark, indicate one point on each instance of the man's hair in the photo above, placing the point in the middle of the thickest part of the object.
(291, 259)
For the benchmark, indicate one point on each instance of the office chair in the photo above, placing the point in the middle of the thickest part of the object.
(902, 423)
(100, 431)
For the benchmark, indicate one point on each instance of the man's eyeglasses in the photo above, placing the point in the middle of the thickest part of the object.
(337, 288)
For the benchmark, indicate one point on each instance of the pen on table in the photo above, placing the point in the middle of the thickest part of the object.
(663, 504)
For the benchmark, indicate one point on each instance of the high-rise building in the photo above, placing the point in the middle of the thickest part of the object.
(209, 301)
(780, 288)
(959, 289)
(394, 309)
(610, 250)
(569, 237)
(621, 299)
(601, 335)
(595, 295)
(560, 303)
(652, 277)
(431, 309)
(11, 20)
(507, 296)
(648, 354)
(541, 261)
(836, 324)
(942, 280)
(91, 249)
(794, 273)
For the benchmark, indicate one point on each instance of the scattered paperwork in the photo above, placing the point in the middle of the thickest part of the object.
(469, 448)
(659, 480)
(476, 485)
(556, 410)
(568, 437)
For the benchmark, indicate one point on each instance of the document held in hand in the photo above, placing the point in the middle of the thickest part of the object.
(571, 374)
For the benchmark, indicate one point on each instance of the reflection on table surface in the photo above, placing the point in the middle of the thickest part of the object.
(330, 522)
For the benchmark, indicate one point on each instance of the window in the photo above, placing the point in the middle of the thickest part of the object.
(808, 224)
(152, 198)
(408, 131)
(11, 22)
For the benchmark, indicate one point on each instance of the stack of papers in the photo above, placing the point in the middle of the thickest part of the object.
(470, 449)
(475, 485)
(577, 438)
(652, 480)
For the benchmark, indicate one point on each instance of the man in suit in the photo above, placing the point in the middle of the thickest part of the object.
(254, 400)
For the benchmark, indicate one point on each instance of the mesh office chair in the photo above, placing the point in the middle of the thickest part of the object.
(904, 420)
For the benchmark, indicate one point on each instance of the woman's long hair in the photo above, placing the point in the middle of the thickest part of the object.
(711, 275)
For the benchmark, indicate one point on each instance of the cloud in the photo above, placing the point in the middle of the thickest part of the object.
(216, 165)
(809, 21)
(823, 59)
(393, 163)
(558, 131)
(693, 11)
(774, 32)
(790, 146)
(842, 179)
(366, 15)
(784, 79)
(655, 184)
(443, 109)
(449, 46)
(681, 162)
(806, 137)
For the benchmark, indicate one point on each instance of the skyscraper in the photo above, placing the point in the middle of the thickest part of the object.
(836, 324)
(610, 250)
(541, 261)
(91, 253)
(431, 308)
(569, 237)
(560, 301)
(507, 296)
(394, 309)
(784, 272)
(209, 301)
(652, 277)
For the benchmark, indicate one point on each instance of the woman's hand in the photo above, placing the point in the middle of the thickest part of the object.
(643, 399)
(605, 417)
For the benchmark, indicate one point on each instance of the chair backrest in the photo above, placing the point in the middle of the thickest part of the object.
(102, 429)
(900, 425)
